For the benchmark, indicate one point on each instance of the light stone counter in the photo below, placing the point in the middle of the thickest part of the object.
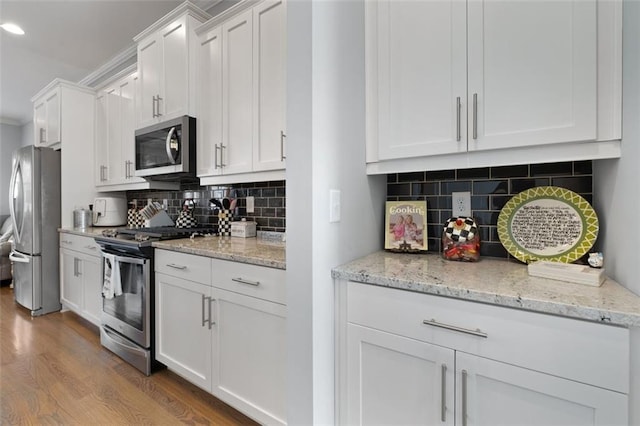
(495, 281)
(84, 232)
(268, 251)
(256, 251)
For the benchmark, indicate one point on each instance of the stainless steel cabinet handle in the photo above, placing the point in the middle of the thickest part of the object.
(476, 332)
(443, 396)
(65, 241)
(457, 120)
(75, 266)
(475, 116)
(174, 266)
(204, 320)
(42, 135)
(153, 107)
(215, 157)
(211, 321)
(126, 169)
(243, 281)
(464, 397)
(158, 99)
(282, 136)
(90, 248)
(222, 148)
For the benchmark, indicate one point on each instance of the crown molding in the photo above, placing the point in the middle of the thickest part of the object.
(108, 67)
(186, 8)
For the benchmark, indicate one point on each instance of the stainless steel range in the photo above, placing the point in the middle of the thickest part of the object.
(128, 290)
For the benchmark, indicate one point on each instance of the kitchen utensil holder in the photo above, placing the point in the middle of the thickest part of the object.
(225, 217)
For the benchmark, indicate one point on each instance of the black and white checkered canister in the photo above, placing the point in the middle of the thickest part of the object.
(460, 229)
(225, 217)
(134, 219)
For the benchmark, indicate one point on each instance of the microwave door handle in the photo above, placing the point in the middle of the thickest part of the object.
(168, 145)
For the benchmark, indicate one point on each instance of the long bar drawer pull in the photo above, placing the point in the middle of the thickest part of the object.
(243, 281)
(174, 266)
(476, 332)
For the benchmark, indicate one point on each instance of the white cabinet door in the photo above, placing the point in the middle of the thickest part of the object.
(149, 69)
(269, 61)
(249, 355)
(46, 119)
(393, 380)
(209, 101)
(71, 292)
(237, 94)
(90, 270)
(39, 123)
(532, 72)
(127, 111)
(183, 335)
(417, 77)
(101, 152)
(174, 96)
(114, 168)
(493, 393)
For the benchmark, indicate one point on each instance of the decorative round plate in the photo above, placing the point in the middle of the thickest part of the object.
(547, 223)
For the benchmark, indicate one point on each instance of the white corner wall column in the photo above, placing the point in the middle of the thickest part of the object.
(325, 150)
(615, 190)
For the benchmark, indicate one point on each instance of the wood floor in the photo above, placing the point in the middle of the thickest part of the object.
(54, 371)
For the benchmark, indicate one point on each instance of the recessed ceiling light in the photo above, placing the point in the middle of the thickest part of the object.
(12, 28)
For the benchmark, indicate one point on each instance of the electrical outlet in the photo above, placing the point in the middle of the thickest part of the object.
(334, 205)
(250, 204)
(461, 203)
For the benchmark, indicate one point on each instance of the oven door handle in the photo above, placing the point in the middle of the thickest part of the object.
(130, 259)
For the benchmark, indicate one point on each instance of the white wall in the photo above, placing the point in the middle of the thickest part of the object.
(27, 134)
(10, 140)
(325, 150)
(617, 189)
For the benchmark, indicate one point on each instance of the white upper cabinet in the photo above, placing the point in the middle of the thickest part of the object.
(241, 96)
(269, 79)
(209, 102)
(166, 66)
(46, 119)
(237, 94)
(480, 83)
(115, 137)
(532, 73)
(422, 78)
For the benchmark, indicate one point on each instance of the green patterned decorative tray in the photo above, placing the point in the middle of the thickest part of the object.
(547, 223)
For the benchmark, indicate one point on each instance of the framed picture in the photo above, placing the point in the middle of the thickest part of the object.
(405, 226)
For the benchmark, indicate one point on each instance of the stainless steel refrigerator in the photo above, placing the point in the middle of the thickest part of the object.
(34, 203)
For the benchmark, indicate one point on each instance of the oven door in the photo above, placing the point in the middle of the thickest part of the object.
(126, 309)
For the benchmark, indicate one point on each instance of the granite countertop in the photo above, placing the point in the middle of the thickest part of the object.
(268, 251)
(495, 281)
(84, 232)
(256, 251)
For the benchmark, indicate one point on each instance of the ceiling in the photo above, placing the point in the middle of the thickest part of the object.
(66, 39)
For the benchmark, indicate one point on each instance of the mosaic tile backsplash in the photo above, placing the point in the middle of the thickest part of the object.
(269, 202)
(490, 187)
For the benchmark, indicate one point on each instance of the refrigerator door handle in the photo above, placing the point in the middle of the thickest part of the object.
(18, 257)
(12, 211)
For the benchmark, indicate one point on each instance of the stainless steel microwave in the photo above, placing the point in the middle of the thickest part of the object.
(166, 149)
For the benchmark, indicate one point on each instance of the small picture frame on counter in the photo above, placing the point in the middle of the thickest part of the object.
(406, 226)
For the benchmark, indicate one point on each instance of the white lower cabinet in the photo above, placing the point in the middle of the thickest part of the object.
(183, 339)
(249, 355)
(409, 358)
(393, 380)
(81, 276)
(229, 343)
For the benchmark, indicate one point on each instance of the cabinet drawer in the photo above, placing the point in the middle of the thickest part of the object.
(79, 243)
(587, 352)
(251, 280)
(181, 265)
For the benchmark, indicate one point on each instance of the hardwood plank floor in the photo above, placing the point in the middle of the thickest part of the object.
(53, 370)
